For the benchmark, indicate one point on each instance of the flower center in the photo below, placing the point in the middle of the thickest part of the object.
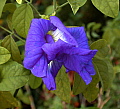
(56, 35)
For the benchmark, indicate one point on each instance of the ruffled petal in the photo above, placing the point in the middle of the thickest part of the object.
(55, 67)
(90, 68)
(53, 49)
(78, 51)
(36, 34)
(40, 68)
(65, 35)
(49, 81)
(85, 76)
(71, 62)
(80, 36)
(32, 57)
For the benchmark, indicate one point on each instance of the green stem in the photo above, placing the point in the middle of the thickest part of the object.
(63, 5)
(54, 5)
(56, 8)
(30, 3)
(16, 91)
(12, 33)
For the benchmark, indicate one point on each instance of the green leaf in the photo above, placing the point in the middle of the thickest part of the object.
(9, 7)
(79, 85)
(7, 100)
(20, 43)
(76, 4)
(105, 71)
(21, 19)
(111, 34)
(24, 97)
(9, 43)
(13, 76)
(4, 55)
(101, 46)
(19, 1)
(63, 85)
(2, 3)
(9, 21)
(34, 81)
(91, 92)
(49, 10)
(107, 7)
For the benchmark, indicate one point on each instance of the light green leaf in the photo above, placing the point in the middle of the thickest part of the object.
(79, 85)
(21, 19)
(63, 85)
(49, 10)
(76, 4)
(4, 55)
(2, 3)
(34, 81)
(9, 43)
(7, 100)
(12, 76)
(91, 92)
(107, 7)
(105, 71)
(19, 1)
(101, 46)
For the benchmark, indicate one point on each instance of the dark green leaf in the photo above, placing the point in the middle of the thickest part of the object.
(34, 81)
(24, 97)
(9, 43)
(9, 7)
(79, 85)
(107, 7)
(2, 3)
(91, 92)
(9, 21)
(105, 71)
(20, 43)
(7, 100)
(22, 18)
(63, 86)
(4, 55)
(12, 76)
(111, 34)
(101, 46)
(76, 4)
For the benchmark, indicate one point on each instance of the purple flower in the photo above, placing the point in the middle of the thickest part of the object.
(50, 45)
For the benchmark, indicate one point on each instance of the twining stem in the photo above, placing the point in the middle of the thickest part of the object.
(30, 3)
(30, 97)
(16, 91)
(54, 5)
(57, 7)
(12, 33)
(63, 5)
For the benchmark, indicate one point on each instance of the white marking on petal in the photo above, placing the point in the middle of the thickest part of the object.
(57, 34)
